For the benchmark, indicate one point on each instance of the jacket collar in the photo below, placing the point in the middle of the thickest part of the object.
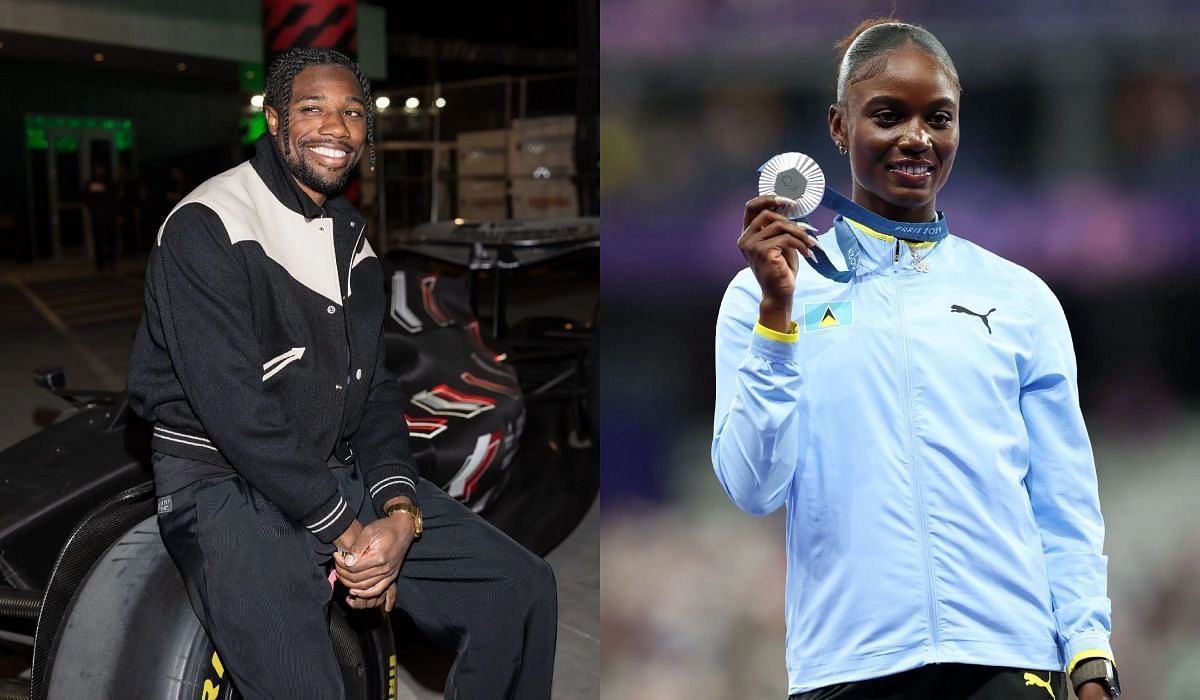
(878, 250)
(269, 164)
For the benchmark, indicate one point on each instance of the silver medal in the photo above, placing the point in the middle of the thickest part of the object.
(795, 176)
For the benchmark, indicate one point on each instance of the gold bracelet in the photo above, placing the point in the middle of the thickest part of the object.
(412, 510)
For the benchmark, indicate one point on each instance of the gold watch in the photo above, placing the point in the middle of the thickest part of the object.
(412, 510)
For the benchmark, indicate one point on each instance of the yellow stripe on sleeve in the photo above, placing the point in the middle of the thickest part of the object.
(1089, 654)
(792, 336)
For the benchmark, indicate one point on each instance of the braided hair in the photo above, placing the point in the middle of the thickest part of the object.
(283, 73)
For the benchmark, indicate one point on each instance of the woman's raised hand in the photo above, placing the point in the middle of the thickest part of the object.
(771, 244)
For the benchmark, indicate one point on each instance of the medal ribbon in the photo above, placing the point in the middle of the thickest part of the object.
(930, 231)
(924, 232)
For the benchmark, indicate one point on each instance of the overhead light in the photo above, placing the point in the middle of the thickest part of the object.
(256, 101)
(382, 102)
(97, 57)
(181, 66)
(460, 222)
(439, 102)
(412, 103)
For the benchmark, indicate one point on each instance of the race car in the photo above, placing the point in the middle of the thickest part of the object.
(84, 578)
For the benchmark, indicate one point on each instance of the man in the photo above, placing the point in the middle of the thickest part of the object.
(279, 434)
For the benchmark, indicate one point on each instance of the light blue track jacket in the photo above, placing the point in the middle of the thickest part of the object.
(923, 430)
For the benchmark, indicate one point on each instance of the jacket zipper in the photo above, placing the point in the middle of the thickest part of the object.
(362, 230)
(346, 301)
(918, 486)
(346, 318)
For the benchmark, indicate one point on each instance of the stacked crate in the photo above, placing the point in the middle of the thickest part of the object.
(482, 175)
(541, 168)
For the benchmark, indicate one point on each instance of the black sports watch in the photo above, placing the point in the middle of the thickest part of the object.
(1099, 670)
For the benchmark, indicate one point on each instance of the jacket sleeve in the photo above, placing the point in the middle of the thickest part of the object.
(381, 441)
(1062, 486)
(755, 448)
(200, 286)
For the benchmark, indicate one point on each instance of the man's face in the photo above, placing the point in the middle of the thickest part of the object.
(327, 130)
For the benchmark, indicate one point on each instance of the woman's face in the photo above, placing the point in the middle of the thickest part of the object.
(901, 127)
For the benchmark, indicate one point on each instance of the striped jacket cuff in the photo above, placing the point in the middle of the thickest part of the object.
(328, 522)
(186, 445)
(385, 484)
(1088, 645)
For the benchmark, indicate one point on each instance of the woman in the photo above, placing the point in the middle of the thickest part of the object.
(920, 421)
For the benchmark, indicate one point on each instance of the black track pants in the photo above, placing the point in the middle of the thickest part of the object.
(951, 682)
(259, 584)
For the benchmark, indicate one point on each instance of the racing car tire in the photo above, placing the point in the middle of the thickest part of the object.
(129, 632)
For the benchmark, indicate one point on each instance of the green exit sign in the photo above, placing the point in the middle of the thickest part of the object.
(37, 125)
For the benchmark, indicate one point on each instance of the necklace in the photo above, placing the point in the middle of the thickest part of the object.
(918, 263)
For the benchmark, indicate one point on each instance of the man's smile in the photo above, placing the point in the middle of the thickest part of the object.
(330, 155)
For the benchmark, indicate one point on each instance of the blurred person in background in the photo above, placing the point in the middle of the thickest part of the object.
(130, 195)
(919, 418)
(100, 198)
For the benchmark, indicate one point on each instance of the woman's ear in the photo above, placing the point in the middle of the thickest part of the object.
(837, 126)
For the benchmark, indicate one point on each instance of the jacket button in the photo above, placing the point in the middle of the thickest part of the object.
(338, 387)
(332, 309)
(358, 374)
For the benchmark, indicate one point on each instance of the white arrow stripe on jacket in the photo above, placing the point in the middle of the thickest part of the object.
(282, 361)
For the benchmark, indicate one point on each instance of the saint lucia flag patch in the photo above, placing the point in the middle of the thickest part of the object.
(829, 314)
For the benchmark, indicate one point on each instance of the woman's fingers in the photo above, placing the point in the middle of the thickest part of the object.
(768, 202)
(766, 218)
(778, 233)
(759, 204)
(772, 244)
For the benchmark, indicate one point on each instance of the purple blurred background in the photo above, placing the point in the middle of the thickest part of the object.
(1080, 159)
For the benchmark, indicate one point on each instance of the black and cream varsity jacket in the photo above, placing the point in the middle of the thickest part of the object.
(261, 346)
